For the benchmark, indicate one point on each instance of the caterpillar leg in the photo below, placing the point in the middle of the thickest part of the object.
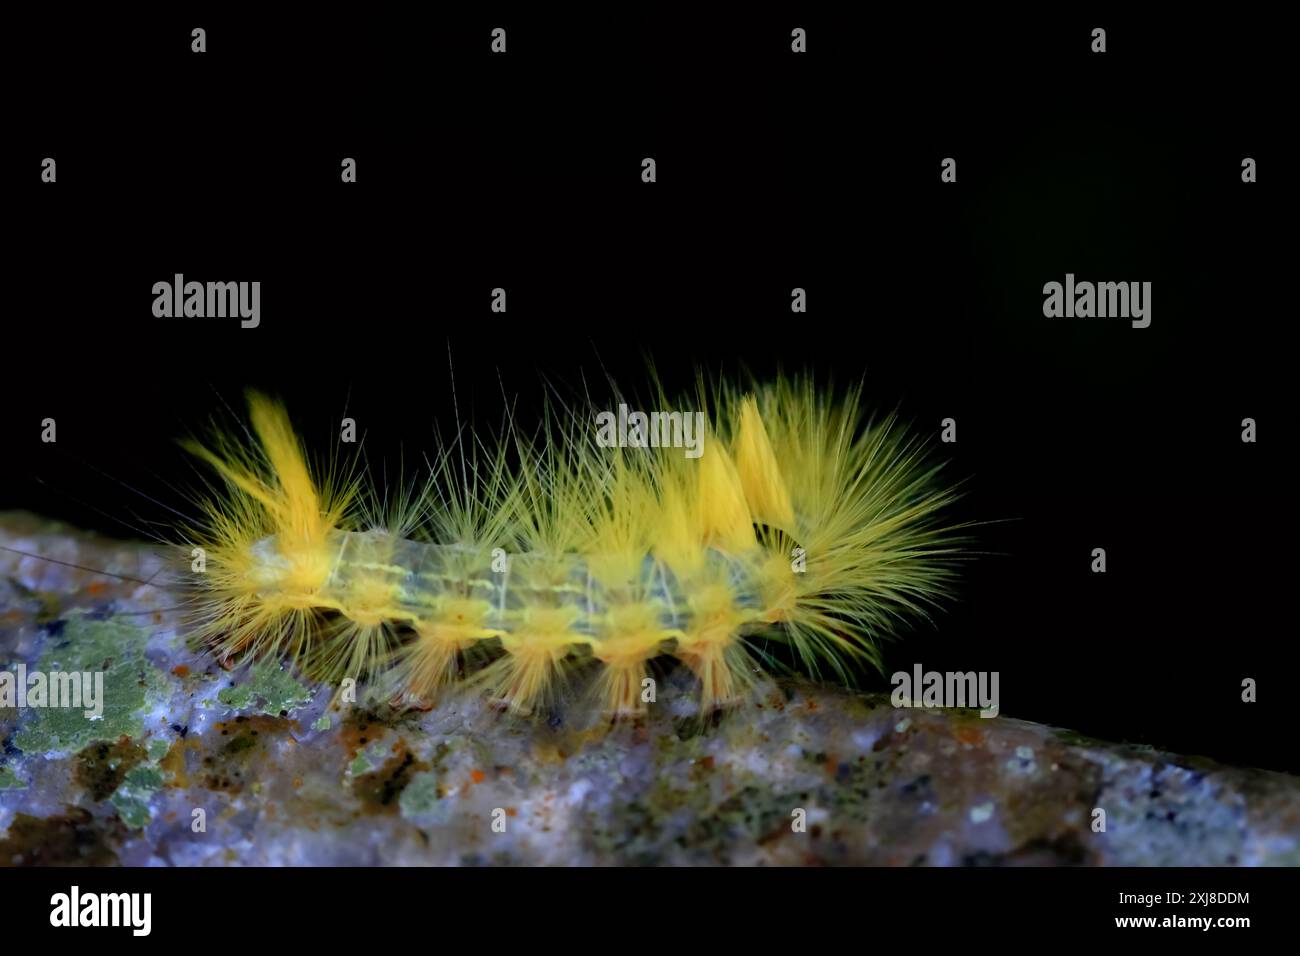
(633, 636)
(711, 646)
(436, 658)
(725, 672)
(535, 662)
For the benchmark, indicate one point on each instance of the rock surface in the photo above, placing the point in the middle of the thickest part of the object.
(191, 764)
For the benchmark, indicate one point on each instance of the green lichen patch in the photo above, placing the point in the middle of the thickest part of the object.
(117, 650)
(132, 798)
(374, 755)
(10, 780)
(422, 798)
(236, 698)
(270, 689)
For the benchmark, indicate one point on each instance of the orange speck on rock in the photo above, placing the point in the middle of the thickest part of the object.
(510, 812)
(968, 735)
(96, 588)
(297, 782)
(831, 763)
(180, 670)
(478, 776)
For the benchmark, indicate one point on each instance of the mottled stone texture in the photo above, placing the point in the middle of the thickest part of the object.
(282, 775)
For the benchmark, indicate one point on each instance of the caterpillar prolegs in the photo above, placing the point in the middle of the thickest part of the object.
(530, 564)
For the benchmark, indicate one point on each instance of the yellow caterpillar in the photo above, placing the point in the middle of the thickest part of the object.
(523, 565)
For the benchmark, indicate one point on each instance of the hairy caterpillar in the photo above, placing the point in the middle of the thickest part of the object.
(525, 565)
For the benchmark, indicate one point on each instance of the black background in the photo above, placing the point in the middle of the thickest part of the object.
(774, 171)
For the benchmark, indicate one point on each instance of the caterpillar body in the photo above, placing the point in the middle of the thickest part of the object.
(531, 565)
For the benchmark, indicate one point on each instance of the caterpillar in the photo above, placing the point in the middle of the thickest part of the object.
(532, 565)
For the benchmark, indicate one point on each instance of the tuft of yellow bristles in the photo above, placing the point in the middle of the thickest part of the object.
(530, 566)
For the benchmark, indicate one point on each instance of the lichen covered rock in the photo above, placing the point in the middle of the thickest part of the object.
(192, 764)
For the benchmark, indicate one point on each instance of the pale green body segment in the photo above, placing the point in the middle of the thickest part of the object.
(417, 579)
